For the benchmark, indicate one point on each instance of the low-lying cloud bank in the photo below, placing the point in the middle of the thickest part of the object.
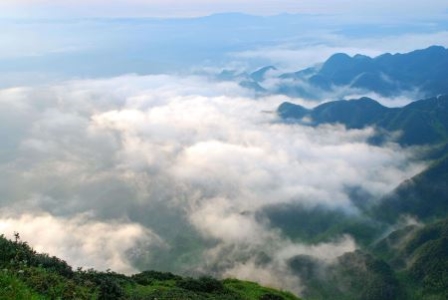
(87, 242)
(139, 172)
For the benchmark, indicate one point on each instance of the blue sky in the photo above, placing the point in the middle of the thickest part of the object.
(171, 8)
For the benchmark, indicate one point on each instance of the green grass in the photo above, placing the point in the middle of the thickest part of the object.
(253, 291)
(12, 287)
(27, 275)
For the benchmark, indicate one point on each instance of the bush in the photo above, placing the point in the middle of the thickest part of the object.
(270, 296)
(203, 284)
(109, 289)
(148, 277)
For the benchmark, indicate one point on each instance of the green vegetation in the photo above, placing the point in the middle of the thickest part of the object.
(355, 275)
(251, 290)
(426, 256)
(424, 196)
(410, 263)
(319, 224)
(28, 275)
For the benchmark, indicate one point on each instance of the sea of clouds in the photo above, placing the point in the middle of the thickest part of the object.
(169, 173)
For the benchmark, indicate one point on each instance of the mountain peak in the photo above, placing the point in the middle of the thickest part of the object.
(259, 75)
(337, 60)
(436, 48)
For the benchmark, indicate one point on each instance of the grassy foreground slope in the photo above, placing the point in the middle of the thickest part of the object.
(28, 275)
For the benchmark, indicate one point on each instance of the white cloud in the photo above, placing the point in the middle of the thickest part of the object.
(167, 156)
(81, 240)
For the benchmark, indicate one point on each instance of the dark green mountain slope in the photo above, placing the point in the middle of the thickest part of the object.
(354, 275)
(409, 263)
(421, 122)
(320, 224)
(420, 255)
(424, 196)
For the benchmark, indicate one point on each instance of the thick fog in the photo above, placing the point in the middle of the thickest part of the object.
(170, 173)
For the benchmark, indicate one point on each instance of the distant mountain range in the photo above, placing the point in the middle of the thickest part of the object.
(388, 74)
(421, 122)
(423, 72)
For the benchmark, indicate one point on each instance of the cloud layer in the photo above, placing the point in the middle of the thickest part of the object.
(169, 172)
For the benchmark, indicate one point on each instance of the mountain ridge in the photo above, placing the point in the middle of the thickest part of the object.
(422, 72)
(423, 122)
(425, 70)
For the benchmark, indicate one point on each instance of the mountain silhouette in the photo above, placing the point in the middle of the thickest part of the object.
(421, 71)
